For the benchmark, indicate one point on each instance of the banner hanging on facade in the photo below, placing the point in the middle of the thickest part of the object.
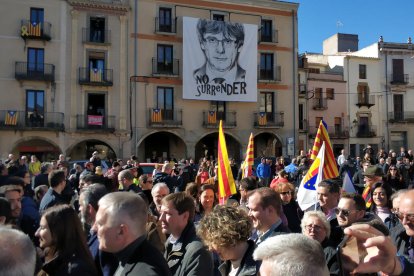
(219, 60)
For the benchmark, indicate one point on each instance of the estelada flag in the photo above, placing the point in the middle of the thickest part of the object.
(11, 118)
(249, 160)
(156, 116)
(227, 187)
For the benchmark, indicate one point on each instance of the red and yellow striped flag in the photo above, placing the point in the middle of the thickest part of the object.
(227, 187)
(11, 118)
(34, 29)
(330, 170)
(211, 117)
(262, 119)
(249, 160)
(156, 115)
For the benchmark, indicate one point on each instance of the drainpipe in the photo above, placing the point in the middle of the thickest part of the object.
(387, 129)
(135, 74)
(294, 74)
(349, 103)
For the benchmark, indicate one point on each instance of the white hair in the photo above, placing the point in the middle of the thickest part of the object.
(17, 254)
(316, 214)
(292, 254)
(158, 186)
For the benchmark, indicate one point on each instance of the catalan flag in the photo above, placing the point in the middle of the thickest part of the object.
(211, 117)
(366, 195)
(11, 118)
(262, 119)
(156, 115)
(95, 75)
(249, 160)
(34, 29)
(330, 169)
(227, 187)
(307, 191)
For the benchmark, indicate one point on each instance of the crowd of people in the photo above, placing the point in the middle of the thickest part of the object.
(57, 220)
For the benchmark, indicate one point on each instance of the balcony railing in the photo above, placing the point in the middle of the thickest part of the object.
(366, 131)
(320, 104)
(302, 90)
(211, 119)
(10, 119)
(303, 126)
(273, 74)
(273, 37)
(335, 131)
(364, 99)
(96, 36)
(399, 79)
(165, 67)
(95, 123)
(35, 71)
(94, 76)
(269, 119)
(162, 26)
(400, 116)
(34, 30)
(159, 117)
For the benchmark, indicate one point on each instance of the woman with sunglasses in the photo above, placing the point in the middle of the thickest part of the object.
(290, 207)
(382, 204)
(316, 226)
(394, 178)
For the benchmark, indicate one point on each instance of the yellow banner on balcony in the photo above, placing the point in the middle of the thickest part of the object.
(262, 119)
(211, 117)
(95, 75)
(156, 116)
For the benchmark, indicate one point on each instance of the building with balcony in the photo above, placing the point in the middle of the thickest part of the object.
(169, 123)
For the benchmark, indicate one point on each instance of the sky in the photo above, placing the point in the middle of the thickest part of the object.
(369, 19)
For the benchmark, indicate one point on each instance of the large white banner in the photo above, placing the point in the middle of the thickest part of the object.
(219, 60)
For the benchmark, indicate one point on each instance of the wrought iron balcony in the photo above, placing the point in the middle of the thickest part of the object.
(364, 99)
(273, 37)
(366, 131)
(94, 76)
(159, 117)
(272, 74)
(320, 104)
(211, 119)
(35, 30)
(400, 116)
(399, 79)
(269, 119)
(97, 123)
(96, 36)
(22, 120)
(165, 67)
(35, 71)
(163, 26)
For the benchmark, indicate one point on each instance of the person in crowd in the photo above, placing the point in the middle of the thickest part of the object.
(120, 225)
(185, 253)
(315, 226)
(358, 178)
(42, 177)
(126, 180)
(263, 172)
(166, 177)
(157, 169)
(193, 190)
(146, 184)
(381, 252)
(39, 193)
(341, 158)
(207, 201)
(63, 242)
(382, 204)
(351, 209)
(290, 206)
(34, 166)
(226, 231)
(17, 254)
(291, 254)
(349, 167)
(53, 196)
(394, 178)
(106, 263)
(246, 185)
(265, 208)
(372, 175)
(203, 174)
(282, 177)
(158, 192)
(89, 169)
(5, 211)
(4, 174)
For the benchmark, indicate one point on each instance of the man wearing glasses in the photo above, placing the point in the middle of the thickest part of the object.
(351, 209)
(221, 43)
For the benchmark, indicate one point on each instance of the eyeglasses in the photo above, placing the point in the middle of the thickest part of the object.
(285, 193)
(315, 227)
(212, 41)
(408, 217)
(344, 212)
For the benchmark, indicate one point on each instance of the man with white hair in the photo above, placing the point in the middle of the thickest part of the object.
(291, 254)
(158, 192)
(18, 254)
(120, 226)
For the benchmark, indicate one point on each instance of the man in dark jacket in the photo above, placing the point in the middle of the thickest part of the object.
(185, 253)
(166, 177)
(53, 196)
(120, 227)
